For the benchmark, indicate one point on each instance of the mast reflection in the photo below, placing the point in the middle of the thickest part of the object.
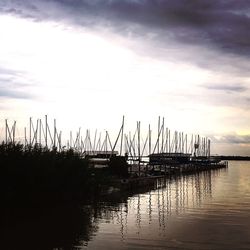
(172, 197)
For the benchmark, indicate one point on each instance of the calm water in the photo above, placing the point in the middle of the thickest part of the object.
(209, 210)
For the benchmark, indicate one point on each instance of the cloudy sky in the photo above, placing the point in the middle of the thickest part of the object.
(88, 62)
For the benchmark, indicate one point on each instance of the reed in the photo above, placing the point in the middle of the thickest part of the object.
(38, 174)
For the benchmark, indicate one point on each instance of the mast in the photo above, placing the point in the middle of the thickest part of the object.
(122, 135)
(158, 145)
(46, 131)
(149, 140)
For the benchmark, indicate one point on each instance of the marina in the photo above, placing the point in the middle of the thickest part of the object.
(129, 155)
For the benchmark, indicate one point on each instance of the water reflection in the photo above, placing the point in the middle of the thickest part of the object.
(54, 228)
(184, 212)
(69, 226)
(170, 198)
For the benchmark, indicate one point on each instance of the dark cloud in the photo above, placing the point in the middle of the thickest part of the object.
(211, 34)
(226, 87)
(214, 23)
(233, 138)
(11, 85)
(14, 94)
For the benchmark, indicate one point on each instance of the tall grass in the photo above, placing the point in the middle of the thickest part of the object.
(40, 174)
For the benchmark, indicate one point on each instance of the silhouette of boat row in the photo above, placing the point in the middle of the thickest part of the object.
(156, 164)
(172, 152)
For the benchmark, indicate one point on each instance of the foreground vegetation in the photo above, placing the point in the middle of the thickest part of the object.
(38, 174)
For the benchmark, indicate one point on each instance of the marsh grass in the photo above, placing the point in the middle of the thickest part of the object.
(38, 174)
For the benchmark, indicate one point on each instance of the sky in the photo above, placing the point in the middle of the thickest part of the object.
(89, 62)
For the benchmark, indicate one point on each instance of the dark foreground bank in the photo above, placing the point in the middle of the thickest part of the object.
(34, 175)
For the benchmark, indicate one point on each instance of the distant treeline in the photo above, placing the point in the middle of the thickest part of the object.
(233, 158)
(38, 174)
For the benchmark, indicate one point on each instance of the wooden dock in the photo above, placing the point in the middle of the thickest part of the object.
(136, 181)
